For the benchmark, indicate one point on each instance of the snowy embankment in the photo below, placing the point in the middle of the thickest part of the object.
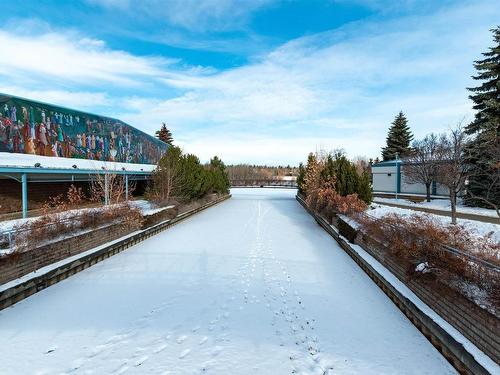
(146, 207)
(72, 216)
(476, 227)
(259, 289)
(440, 204)
(8, 159)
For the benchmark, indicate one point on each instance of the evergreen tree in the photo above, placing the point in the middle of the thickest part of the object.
(328, 172)
(481, 153)
(218, 176)
(300, 178)
(164, 134)
(364, 189)
(346, 176)
(311, 174)
(398, 138)
(192, 178)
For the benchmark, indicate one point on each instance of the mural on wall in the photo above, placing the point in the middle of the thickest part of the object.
(42, 129)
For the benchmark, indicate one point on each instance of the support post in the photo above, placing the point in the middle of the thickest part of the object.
(24, 187)
(398, 175)
(106, 189)
(126, 187)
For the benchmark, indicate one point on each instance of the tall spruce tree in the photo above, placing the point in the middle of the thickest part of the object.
(482, 151)
(164, 134)
(398, 138)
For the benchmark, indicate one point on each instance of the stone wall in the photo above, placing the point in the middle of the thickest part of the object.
(20, 264)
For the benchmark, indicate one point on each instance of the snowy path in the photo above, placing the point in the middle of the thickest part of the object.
(252, 286)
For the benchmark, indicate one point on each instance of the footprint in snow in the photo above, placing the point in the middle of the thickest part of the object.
(217, 350)
(141, 360)
(76, 365)
(51, 349)
(97, 350)
(184, 353)
(203, 340)
(160, 348)
(122, 369)
(181, 339)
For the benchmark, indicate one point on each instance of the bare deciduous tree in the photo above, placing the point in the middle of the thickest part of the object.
(112, 184)
(452, 169)
(420, 165)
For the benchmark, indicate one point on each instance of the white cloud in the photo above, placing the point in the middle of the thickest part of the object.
(336, 85)
(193, 15)
(269, 150)
(335, 89)
(74, 99)
(68, 57)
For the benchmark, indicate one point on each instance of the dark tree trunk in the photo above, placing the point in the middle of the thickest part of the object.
(453, 200)
(428, 192)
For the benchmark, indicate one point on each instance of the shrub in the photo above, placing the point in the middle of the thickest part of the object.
(328, 202)
(182, 176)
(420, 239)
(52, 226)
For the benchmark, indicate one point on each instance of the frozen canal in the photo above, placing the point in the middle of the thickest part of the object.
(251, 286)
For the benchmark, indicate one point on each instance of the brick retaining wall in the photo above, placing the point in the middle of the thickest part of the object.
(20, 264)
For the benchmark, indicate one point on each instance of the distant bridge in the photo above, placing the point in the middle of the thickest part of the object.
(252, 182)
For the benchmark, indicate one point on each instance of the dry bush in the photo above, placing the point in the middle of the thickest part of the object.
(327, 202)
(348, 205)
(75, 196)
(64, 202)
(419, 239)
(52, 226)
(54, 204)
(116, 188)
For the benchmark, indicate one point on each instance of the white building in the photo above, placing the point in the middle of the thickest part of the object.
(388, 177)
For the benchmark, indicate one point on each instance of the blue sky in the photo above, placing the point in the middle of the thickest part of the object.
(259, 81)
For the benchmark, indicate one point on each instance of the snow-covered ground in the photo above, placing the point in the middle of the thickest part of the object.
(146, 207)
(8, 159)
(440, 204)
(251, 286)
(478, 227)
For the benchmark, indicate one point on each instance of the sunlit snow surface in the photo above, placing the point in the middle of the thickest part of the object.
(251, 286)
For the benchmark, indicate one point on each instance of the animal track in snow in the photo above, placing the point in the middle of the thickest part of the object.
(181, 339)
(184, 353)
(141, 360)
(160, 348)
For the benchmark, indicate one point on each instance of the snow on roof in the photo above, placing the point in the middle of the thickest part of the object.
(15, 160)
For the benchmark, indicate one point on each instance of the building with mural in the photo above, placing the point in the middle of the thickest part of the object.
(31, 127)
